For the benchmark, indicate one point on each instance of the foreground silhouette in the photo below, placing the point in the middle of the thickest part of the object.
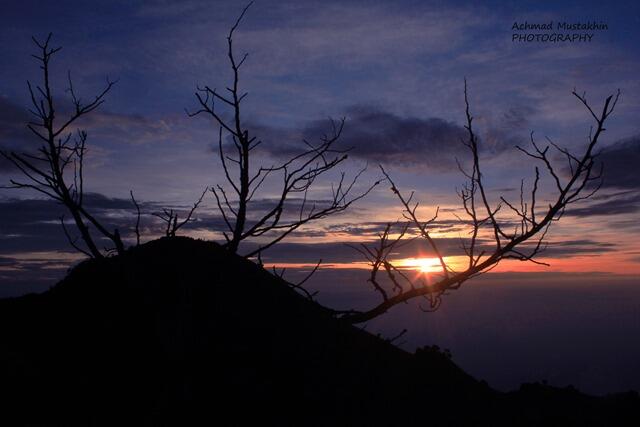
(496, 229)
(178, 329)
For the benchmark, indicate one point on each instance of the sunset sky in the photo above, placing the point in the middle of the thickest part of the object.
(394, 70)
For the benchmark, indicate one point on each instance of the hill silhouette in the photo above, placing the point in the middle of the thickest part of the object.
(179, 330)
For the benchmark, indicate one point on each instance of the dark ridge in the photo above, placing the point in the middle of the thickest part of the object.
(178, 331)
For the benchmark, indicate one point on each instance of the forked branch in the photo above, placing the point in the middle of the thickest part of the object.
(171, 217)
(56, 168)
(298, 174)
(524, 243)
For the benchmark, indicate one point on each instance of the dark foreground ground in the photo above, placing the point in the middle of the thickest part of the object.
(179, 332)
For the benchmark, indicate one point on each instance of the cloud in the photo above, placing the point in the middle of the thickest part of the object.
(609, 204)
(34, 272)
(340, 252)
(28, 225)
(508, 130)
(375, 228)
(138, 129)
(570, 248)
(101, 124)
(384, 137)
(287, 36)
(34, 224)
(378, 136)
(621, 162)
(14, 134)
(619, 194)
(13, 119)
(381, 136)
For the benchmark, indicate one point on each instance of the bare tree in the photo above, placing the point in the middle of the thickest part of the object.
(138, 213)
(524, 243)
(378, 258)
(298, 173)
(56, 168)
(170, 217)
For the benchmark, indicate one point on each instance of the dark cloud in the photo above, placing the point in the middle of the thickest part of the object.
(135, 128)
(102, 126)
(34, 224)
(510, 130)
(31, 226)
(259, 207)
(379, 136)
(609, 204)
(621, 162)
(517, 117)
(206, 221)
(6, 261)
(291, 204)
(19, 276)
(341, 252)
(374, 228)
(629, 224)
(570, 248)
(14, 134)
(384, 137)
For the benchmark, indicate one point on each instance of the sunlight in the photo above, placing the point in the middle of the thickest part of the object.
(423, 265)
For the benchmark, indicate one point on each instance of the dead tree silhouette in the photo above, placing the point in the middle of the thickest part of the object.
(532, 222)
(170, 217)
(47, 170)
(298, 173)
(523, 244)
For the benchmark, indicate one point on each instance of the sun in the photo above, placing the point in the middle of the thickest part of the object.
(423, 265)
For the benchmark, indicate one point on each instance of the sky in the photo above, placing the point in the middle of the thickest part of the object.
(395, 71)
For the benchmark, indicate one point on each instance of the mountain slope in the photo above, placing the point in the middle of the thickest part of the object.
(178, 329)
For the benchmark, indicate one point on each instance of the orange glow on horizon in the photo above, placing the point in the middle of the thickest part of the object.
(431, 265)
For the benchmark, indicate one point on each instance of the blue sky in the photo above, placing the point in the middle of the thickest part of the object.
(313, 60)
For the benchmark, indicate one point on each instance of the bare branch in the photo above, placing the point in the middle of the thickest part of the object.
(533, 226)
(48, 171)
(137, 229)
(244, 181)
(170, 217)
